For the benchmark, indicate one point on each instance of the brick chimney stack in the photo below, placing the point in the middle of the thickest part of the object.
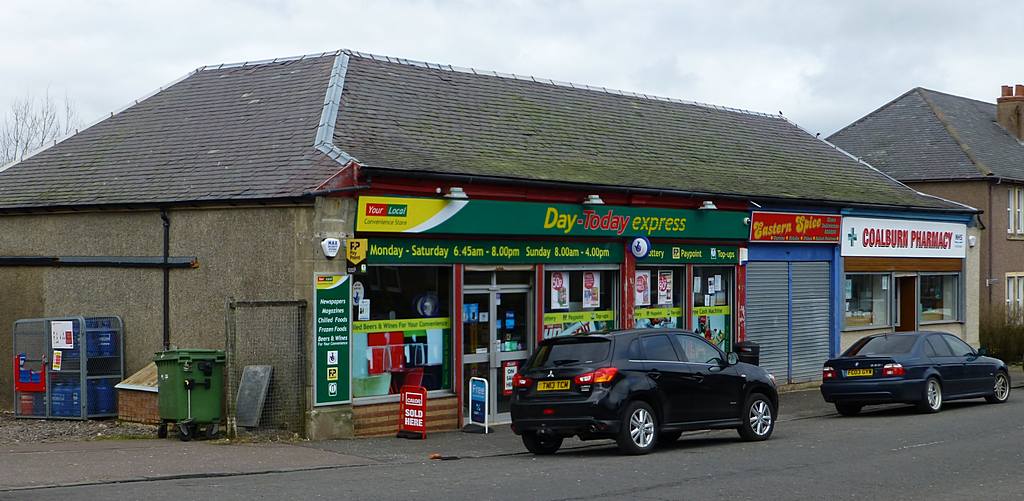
(1010, 110)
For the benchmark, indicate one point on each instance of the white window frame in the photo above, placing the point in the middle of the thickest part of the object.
(1020, 210)
(958, 315)
(1015, 293)
(1009, 211)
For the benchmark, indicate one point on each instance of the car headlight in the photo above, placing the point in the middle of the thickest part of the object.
(772, 377)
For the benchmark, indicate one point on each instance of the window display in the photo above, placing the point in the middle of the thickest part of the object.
(939, 298)
(867, 301)
(664, 309)
(712, 304)
(578, 301)
(403, 335)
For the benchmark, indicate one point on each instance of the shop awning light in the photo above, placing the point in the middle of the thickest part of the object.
(456, 192)
(593, 200)
(708, 205)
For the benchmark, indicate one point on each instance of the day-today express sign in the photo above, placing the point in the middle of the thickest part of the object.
(494, 217)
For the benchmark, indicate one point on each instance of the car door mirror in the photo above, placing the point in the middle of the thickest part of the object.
(982, 352)
(732, 358)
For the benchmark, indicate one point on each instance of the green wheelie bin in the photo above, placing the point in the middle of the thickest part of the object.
(191, 391)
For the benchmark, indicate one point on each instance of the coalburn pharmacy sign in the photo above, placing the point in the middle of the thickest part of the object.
(872, 237)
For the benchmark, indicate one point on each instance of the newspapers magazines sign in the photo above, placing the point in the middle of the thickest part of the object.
(870, 237)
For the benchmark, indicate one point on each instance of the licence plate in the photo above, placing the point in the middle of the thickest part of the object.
(860, 372)
(562, 384)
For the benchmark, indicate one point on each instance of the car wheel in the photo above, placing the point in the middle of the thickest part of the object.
(639, 431)
(848, 409)
(758, 418)
(931, 400)
(667, 437)
(1001, 389)
(541, 444)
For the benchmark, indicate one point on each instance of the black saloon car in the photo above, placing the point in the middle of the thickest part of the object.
(639, 387)
(920, 368)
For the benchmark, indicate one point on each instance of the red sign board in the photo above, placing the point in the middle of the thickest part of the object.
(509, 368)
(412, 412)
(793, 227)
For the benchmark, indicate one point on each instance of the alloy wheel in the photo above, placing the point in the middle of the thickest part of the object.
(1002, 387)
(760, 417)
(641, 428)
(934, 394)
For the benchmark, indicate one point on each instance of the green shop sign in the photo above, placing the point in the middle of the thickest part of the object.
(418, 251)
(691, 254)
(494, 217)
(332, 325)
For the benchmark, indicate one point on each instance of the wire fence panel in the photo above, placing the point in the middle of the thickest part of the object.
(268, 333)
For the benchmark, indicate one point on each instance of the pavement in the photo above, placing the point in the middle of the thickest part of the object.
(29, 468)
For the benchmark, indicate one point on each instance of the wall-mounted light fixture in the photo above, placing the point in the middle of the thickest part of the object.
(708, 205)
(456, 192)
(593, 200)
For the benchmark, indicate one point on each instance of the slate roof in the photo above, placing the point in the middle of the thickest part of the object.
(248, 132)
(929, 135)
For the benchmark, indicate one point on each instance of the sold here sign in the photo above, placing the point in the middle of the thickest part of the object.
(412, 419)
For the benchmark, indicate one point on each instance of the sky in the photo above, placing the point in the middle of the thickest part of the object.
(823, 64)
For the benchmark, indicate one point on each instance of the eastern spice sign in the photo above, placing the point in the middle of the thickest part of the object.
(903, 238)
(493, 217)
(795, 227)
(332, 323)
(691, 254)
(419, 251)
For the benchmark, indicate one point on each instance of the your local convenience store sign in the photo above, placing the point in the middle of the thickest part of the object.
(493, 217)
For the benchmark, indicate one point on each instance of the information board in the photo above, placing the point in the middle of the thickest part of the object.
(331, 329)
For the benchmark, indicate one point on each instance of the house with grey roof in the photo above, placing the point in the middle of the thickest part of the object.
(468, 193)
(961, 149)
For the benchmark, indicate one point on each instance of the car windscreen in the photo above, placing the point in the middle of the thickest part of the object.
(571, 351)
(881, 345)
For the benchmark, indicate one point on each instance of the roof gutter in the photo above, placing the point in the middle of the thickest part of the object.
(646, 191)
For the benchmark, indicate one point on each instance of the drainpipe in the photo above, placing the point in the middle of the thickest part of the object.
(167, 278)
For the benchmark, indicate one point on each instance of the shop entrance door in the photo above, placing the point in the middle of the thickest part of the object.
(497, 323)
(906, 302)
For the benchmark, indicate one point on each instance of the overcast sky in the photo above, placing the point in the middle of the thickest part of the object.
(823, 64)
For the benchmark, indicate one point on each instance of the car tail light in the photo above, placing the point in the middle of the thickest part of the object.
(893, 370)
(520, 381)
(602, 375)
(828, 373)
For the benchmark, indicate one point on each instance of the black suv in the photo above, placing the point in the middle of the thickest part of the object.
(639, 387)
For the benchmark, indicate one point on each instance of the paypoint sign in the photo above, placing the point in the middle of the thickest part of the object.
(494, 217)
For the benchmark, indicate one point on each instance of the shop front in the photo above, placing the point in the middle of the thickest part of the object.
(792, 273)
(452, 289)
(902, 275)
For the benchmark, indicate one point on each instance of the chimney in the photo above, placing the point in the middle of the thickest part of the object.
(1010, 110)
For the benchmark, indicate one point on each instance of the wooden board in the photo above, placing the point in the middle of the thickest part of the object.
(855, 264)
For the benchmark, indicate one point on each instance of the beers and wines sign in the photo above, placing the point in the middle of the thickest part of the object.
(871, 237)
(794, 227)
(412, 409)
(331, 329)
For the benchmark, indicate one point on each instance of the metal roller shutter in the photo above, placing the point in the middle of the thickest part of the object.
(768, 314)
(811, 320)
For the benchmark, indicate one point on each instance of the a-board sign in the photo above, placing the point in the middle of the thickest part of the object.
(412, 409)
(478, 402)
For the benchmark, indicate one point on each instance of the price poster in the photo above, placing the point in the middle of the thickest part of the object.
(591, 289)
(559, 290)
(664, 287)
(643, 288)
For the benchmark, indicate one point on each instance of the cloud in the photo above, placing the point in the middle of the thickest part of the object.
(824, 64)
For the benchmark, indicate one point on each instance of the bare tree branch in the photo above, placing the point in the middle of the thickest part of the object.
(32, 123)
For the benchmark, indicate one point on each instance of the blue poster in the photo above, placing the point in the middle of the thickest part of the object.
(510, 320)
(471, 313)
(478, 400)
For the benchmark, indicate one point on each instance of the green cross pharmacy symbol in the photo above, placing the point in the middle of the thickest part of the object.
(852, 236)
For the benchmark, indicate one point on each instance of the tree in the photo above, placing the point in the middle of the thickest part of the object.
(32, 123)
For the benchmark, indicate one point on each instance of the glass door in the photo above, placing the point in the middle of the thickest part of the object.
(497, 326)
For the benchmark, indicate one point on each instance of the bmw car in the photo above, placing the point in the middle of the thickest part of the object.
(920, 368)
(639, 387)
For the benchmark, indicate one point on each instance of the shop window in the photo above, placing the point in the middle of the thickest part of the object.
(712, 304)
(940, 298)
(402, 333)
(660, 297)
(867, 301)
(578, 301)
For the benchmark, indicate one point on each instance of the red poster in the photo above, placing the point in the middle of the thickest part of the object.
(412, 412)
(792, 227)
(508, 372)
